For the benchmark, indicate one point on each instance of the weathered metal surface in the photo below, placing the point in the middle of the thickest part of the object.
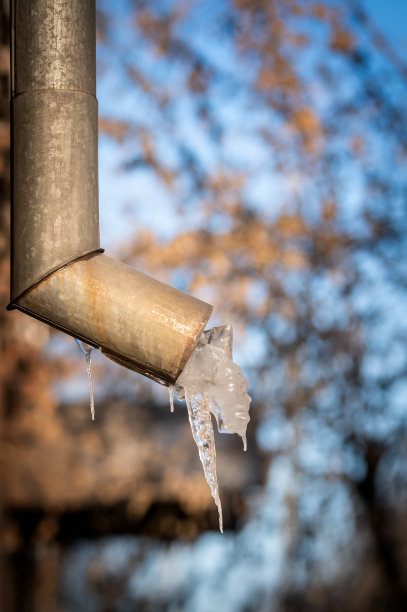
(55, 216)
(139, 322)
(55, 45)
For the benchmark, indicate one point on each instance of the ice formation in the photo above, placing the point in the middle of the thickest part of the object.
(171, 392)
(212, 383)
(87, 350)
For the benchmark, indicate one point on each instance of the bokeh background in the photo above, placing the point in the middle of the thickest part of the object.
(253, 153)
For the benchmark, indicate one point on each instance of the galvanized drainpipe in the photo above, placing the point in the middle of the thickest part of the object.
(58, 273)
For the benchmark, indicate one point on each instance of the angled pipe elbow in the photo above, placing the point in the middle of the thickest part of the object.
(59, 274)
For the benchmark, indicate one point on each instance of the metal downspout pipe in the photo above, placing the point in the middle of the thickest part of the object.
(58, 273)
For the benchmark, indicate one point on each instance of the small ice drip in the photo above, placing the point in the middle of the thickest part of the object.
(87, 351)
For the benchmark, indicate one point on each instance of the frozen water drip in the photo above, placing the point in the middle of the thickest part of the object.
(87, 350)
(212, 383)
(202, 431)
(171, 392)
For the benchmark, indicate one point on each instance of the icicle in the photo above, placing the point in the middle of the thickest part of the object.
(87, 350)
(171, 392)
(212, 383)
(202, 431)
(244, 438)
(91, 395)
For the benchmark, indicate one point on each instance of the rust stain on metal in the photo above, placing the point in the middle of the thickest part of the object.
(90, 299)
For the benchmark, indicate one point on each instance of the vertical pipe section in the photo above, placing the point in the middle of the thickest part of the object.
(54, 108)
(58, 274)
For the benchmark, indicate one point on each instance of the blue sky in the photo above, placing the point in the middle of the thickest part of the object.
(391, 17)
(127, 198)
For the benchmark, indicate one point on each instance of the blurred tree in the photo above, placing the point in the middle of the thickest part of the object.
(278, 130)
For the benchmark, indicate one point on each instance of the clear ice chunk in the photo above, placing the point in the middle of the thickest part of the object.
(87, 350)
(212, 383)
(211, 370)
